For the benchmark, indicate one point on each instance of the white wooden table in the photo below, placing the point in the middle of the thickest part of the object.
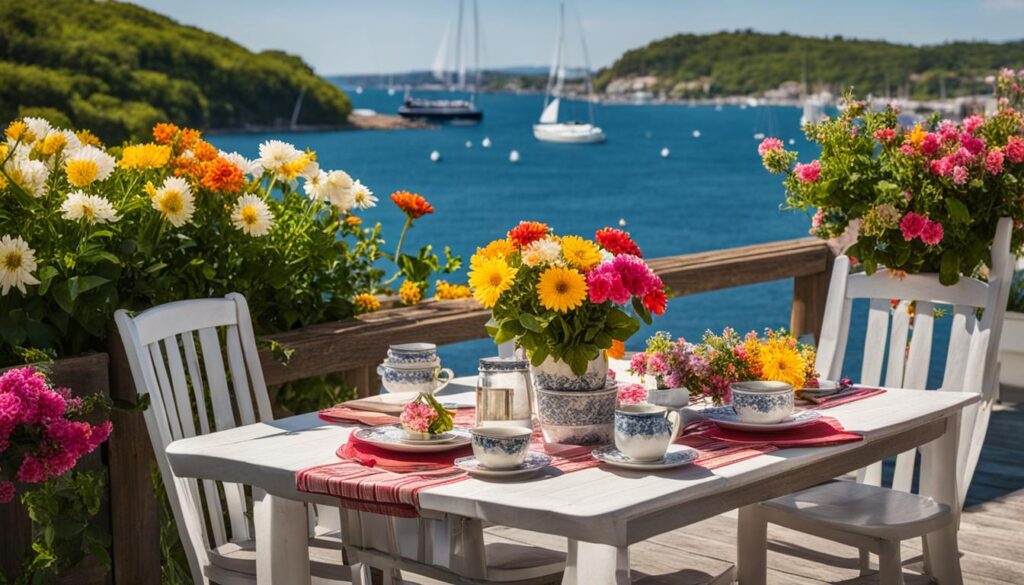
(601, 511)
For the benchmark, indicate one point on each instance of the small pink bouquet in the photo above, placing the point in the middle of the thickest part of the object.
(632, 394)
(42, 434)
(425, 416)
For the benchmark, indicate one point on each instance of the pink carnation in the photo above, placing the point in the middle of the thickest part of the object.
(417, 416)
(606, 283)
(973, 123)
(948, 132)
(907, 149)
(932, 233)
(6, 492)
(638, 363)
(940, 166)
(1015, 149)
(973, 144)
(994, 161)
(769, 144)
(808, 173)
(632, 394)
(930, 144)
(885, 135)
(912, 225)
(636, 276)
(960, 175)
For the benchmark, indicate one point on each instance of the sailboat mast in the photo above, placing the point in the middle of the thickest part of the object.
(586, 63)
(476, 49)
(460, 67)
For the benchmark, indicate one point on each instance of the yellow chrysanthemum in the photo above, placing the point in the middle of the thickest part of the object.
(367, 303)
(410, 292)
(561, 289)
(292, 170)
(87, 138)
(496, 249)
(53, 142)
(917, 135)
(581, 253)
(782, 363)
(16, 130)
(145, 156)
(447, 291)
(489, 278)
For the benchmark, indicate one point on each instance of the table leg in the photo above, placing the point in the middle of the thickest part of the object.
(939, 481)
(282, 545)
(596, 564)
(751, 546)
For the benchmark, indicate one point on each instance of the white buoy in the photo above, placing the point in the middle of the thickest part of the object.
(665, 152)
(792, 141)
(469, 144)
(622, 222)
(486, 142)
(391, 91)
(696, 133)
(513, 156)
(759, 136)
(435, 156)
(359, 90)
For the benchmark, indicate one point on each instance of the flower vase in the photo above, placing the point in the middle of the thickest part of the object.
(575, 410)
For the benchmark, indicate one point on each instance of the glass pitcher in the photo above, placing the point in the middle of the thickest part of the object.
(504, 393)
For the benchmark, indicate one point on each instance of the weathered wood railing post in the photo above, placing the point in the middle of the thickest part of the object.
(809, 295)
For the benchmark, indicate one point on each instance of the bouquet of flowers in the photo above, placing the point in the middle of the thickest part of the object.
(921, 199)
(42, 431)
(564, 297)
(426, 415)
(708, 368)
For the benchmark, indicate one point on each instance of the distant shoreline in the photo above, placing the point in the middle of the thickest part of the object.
(372, 122)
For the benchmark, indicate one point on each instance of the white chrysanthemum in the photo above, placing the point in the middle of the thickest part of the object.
(606, 256)
(30, 174)
(37, 128)
(252, 215)
(338, 190)
(363, 196)
(316, 186)
(311, 169)
(542, 252)
(90, 208)
(249, 167)
(274, 154)
(88, 165)
(175, 201)
(17, 261)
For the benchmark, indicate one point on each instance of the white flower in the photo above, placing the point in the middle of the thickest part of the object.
(545, 251)
(606, 256)
(30, 174)
(175, 201)
(251, 215)
(38, 128)
(311, 169)
(316, 186)
(17, 261)
(363, 196)
(249, 167)
(87, 165)
(338, 190)
(274, 154)
(91, 208)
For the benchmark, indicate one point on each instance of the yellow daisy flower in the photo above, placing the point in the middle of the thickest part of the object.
(782, 363)
(410, 292)
(581, 253)
(489, 278)
(447, 291)
(367, 303)
(561, 289)
(175, 201)
(496, 249)
(145, 156)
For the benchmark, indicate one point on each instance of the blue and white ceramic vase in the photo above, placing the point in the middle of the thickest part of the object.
(578, 418)
(557, 375)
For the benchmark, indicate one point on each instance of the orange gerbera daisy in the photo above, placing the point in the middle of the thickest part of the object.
(189, 137)
(528, 232)
(165, 133)
(204, 151)
(412, 204)
(220, 174)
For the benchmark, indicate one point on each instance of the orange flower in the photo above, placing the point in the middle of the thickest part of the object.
(165, 133)
(204, 151)
(187, 166)
(189, 138)
(354, 221)
(617, 351)
(366, 303)
(528, 232)
(412, 204)
(220, 174)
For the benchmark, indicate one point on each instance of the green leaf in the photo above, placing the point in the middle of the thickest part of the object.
(46, 274)
(530, 322)
(80, 284)
(957, 210)
(949, 271)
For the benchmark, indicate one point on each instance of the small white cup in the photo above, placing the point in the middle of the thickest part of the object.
(643, 432)
(762, 402)
(501, 447)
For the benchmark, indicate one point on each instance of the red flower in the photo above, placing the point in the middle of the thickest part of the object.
(656, 301)
(912, 225)
(528, 232)
(617, 242)
(412, 204)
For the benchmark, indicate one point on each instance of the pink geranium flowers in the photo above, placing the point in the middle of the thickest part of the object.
(624, 277)
(40, 436)
(914, 226)
(808, 173)
(632, 394)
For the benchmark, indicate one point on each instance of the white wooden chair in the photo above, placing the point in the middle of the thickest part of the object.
(876, 519)
(194, 394)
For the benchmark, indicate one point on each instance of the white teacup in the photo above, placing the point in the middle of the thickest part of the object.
(643, 432)
(501, 447)
(762, 402)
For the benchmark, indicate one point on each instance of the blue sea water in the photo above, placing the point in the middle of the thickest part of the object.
(710, 193)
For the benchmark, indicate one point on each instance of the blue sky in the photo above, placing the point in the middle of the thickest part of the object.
(380, 36)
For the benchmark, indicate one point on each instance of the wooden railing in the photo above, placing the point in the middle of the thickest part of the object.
(354, 348)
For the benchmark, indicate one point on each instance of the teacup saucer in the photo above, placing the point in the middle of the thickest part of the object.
(439, 438)
(676, 456)
(726, 417)
(533, 463)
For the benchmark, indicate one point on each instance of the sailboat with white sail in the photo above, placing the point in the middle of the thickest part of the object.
(548, 128)
(456, 111)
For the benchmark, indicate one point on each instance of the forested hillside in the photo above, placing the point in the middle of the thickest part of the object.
(116, 69)
(742, 63)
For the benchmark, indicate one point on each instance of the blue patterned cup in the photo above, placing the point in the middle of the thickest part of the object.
(501, 447)
(412, 354)
(762, 402)
(643, 432)
(413, 378)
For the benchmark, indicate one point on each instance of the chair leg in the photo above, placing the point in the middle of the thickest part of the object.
(944, 556)
(890, 565)
(865, 561)
(361, 574)
(751, 546)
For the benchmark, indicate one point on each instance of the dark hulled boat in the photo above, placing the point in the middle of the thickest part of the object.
(440, 110)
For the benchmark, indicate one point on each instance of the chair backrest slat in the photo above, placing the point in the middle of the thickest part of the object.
(901, 346)
(212, 385)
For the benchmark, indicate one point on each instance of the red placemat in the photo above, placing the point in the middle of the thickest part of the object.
(824, 432)
(845, 397)
(346, 415)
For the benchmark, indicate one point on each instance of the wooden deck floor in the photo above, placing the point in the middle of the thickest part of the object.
(990, 533)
